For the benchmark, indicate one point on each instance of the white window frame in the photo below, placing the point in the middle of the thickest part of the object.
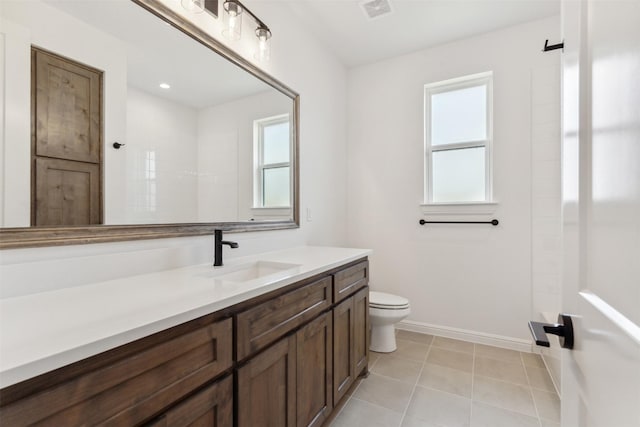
(260, 166)
(431, 89)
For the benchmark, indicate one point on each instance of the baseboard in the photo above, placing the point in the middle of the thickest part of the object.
(466, 335)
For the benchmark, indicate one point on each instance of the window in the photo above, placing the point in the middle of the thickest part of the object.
(458, 131)
(272, 153)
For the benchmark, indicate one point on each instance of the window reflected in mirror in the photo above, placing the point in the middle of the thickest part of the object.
(273, 162)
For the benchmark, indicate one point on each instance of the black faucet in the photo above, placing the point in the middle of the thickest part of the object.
(217, 247)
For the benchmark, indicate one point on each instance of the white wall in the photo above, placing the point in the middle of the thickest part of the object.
(461, 280)
(305, 65)
(546, 200)
(170, 131)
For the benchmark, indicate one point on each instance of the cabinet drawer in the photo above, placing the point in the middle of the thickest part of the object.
(265, 323)
(212, 406)
(349, 280)
(134, 388)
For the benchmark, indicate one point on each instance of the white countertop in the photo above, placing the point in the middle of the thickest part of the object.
(45, 331)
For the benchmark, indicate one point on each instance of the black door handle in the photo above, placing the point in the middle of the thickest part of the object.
(564, 329)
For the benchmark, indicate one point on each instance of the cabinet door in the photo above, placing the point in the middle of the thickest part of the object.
(267, 387)
(361, 330)
(264, 324)
(343, 357)
(314, 371)
(213, 406)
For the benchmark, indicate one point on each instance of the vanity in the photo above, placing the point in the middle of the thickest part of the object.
(276, 339)
(273, 340)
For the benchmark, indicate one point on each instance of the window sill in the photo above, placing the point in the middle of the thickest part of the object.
(271, 212)
(465, 208)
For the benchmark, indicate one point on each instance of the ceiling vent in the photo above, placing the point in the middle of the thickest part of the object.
(375, 9)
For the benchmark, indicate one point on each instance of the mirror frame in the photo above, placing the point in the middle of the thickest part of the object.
(26, 237)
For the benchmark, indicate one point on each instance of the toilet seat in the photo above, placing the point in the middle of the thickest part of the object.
(384, 301)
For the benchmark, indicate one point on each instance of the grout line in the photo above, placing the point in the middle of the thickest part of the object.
(533, 399)
(349, 399)
(474, 354)
(505, 381)
(415, 385)
(389, 378)
(426, 387)
(369, 403)
(553, 391)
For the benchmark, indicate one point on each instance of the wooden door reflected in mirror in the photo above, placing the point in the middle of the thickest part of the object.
(66, 117)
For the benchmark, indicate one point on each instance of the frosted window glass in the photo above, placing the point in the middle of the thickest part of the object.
(458, 175)
(275, 183)
(276, 143)
(459, 115)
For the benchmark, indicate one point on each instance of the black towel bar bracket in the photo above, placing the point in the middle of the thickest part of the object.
(548, 47)
(493, 222)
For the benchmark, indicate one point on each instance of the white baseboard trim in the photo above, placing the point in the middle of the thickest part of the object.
(466, 335)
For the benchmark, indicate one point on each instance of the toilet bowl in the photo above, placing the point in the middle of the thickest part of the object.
(385, 310)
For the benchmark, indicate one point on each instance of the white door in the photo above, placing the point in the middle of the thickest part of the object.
(601, 212)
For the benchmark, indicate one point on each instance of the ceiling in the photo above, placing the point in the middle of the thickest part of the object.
(412, 25)
(157, 53)
(341, 25)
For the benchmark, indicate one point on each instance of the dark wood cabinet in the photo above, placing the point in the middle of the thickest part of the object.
(343, 361)
(266, 322)
(297, 381)
(349, 280)
(314, 364)
(128, 385)
(212, 406)
(350, 342)
(289, 384)
(361, 334)
(267, 387)
(298, 350)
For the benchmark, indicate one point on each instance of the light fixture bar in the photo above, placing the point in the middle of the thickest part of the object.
(253, 15)
(233, 10)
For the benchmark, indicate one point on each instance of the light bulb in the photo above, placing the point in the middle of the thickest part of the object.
(264, 49)
(232, 23)
(194, 6)
(232, 19)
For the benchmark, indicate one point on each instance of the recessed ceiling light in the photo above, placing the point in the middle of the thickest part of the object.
(165, 85)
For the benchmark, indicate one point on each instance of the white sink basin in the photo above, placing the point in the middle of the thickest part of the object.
(254, 271)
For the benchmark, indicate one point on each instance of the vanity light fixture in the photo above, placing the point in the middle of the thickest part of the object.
(264, 43)
(232, 21)
(165, 86)
(194, 6)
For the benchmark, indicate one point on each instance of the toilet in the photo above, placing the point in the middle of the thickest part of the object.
(385, 310)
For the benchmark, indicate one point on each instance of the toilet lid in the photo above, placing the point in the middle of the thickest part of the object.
(384, 300)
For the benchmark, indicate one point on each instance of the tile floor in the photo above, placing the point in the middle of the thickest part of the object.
(433, 381)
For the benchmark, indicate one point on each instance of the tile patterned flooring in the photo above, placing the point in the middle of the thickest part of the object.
(433, 381)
